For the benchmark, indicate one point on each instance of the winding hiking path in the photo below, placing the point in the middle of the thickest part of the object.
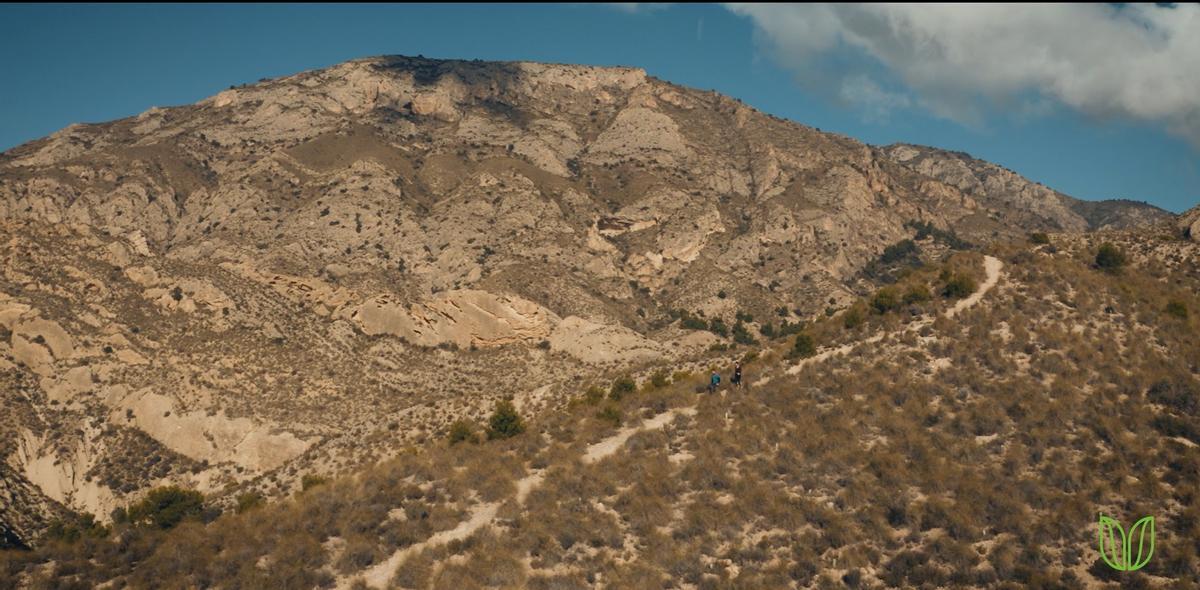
(483, 514)
(378, 575)
(991, 266)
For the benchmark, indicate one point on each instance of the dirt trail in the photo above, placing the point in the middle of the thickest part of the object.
(991, 265)
(378, 575)
(613, 443)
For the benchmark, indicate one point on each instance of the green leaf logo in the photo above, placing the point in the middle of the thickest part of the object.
(1116, 548)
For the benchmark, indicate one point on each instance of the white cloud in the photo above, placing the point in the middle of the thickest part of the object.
(959, 61)
(636, 7)
(875, 103)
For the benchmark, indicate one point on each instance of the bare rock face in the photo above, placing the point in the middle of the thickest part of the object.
(596, 343)
(229, 294)
(1024, 203)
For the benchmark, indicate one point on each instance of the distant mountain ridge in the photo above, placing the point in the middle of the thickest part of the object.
(1031, 203)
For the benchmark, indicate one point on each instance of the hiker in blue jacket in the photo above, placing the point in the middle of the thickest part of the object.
(714, 382)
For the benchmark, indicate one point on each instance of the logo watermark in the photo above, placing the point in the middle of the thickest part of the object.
(1117, 548)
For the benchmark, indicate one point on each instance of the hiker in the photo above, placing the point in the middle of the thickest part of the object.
(714, 382)
(737, 374)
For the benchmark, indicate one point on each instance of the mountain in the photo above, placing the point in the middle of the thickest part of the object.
(311, 274)
(1025, 203)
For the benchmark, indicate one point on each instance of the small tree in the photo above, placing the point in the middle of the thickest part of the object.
(505, 422)
(742, 336)
(958, 286)
(803, 347)
(622, 387)
(1039, 238)
(166, 507)
(1110, 258)
(885, 300)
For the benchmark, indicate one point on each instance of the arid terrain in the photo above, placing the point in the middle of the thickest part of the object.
(308, 299)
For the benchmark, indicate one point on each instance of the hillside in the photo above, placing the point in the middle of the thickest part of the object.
(312, 274)
(944, 442)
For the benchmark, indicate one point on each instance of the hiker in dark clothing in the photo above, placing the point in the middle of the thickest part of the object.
(713, 382)
(737, 374)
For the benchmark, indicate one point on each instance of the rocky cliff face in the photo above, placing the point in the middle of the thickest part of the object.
(1019, 201)
(1189, 223)
(311, 272)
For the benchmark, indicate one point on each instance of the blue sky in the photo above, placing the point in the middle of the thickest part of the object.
(78, 63)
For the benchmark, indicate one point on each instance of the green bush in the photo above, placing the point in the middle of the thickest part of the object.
(717, 326)
(853, 317)
(767, 330)
(787, 328)
(803, 347)
(958, 285)
(70, 530)
(249, 501)
(1038, 237)
(1110, 257)
(688, 321)
(505, 422)
(462, 431)
(660, 379)
(917, 294)
(898, 251)
(610, 413)
(1177, 308)
(885, 300)
(742, 336)
(166, 507)
(622, 387)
